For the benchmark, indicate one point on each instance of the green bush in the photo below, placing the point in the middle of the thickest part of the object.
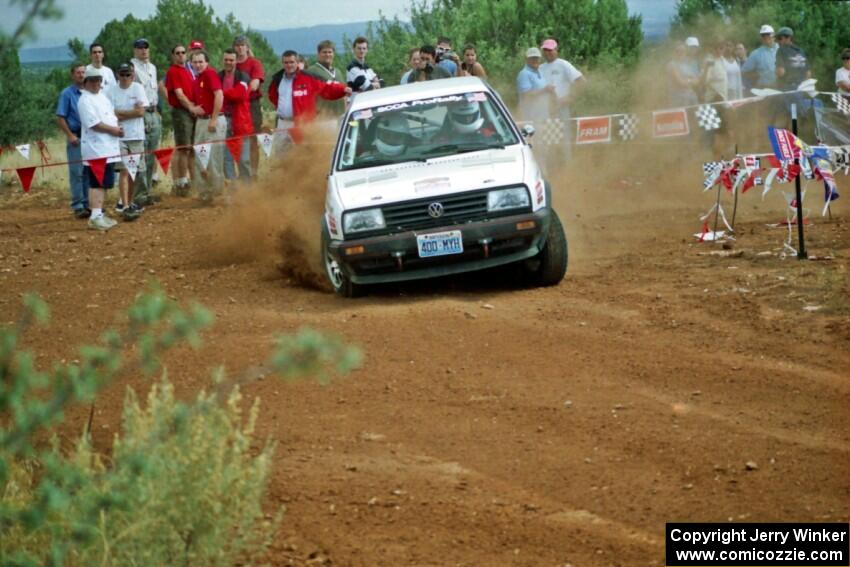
(184, 482)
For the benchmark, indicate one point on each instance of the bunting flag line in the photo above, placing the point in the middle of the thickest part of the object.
(24, 150)
(131, 164)
(202, 153)
(711, 172)
(234, 145)
(708, 118)
(163, 156)
(842, 103)
(593, 130)
(25, 174)
(98, 167)
(266, 141)
(628, 127)
(552, 132)
(666, 123)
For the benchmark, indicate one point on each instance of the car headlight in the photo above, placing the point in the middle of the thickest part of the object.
(513, 198)
(359, 221)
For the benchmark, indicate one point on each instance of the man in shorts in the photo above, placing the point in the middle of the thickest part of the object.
(99, 140)
(179, 85)
(129, 100)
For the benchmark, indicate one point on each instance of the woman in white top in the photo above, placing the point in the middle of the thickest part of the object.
(842, 75)
(734, 88)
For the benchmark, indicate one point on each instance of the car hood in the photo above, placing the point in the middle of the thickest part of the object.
(440, 176)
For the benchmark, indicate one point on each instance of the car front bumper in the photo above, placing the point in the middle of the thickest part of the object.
(486, 244)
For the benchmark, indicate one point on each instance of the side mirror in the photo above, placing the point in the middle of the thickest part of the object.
(527, 131)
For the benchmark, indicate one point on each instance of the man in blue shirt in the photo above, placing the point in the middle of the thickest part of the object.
(534, 94)
(68, 119)
(760, 67)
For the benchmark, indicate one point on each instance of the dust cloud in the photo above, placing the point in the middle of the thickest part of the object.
(277, 219)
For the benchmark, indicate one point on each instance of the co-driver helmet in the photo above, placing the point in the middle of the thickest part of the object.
(392, 134)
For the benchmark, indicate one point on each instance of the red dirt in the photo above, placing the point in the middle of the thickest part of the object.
(493, 425)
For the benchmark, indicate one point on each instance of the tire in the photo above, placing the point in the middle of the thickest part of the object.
(340, 283)
(549, 266)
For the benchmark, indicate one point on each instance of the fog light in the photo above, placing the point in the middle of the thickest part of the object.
(354, 250)
(525, 225)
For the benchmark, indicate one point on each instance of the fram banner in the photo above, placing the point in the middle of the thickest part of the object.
(670, 123)
(593, 130)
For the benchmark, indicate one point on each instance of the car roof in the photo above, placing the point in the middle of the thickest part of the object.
(416, 91)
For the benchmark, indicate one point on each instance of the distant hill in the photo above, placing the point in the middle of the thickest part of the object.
(304, 40)
(58, 54)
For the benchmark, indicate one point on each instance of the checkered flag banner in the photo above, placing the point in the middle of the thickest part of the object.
(708, 118)
(628, 126)
(551, 131)
(842, 103)
(711, 170)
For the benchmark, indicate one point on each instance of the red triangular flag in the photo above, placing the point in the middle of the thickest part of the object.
(163, 156)
(235, 147)
(750, 182)
(25, 175)
(98, 167)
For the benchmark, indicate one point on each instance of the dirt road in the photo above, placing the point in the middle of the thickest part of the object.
(663, 380)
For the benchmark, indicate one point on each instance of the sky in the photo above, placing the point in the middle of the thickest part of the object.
(83, 21)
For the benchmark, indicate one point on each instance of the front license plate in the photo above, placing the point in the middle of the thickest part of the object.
(439, 244)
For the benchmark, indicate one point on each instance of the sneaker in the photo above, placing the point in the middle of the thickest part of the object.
(83, 213)
(99, 223)
(143, 201)
(119, 207)
(110, 221)
(130, 214)
(136, 208)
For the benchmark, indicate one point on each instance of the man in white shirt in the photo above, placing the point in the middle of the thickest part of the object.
(129, 100)
(97, 54)
(99, 140)
(842, 74)
(566, 80)
(145, 73)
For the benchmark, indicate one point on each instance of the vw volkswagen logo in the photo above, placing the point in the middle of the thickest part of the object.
(435, 210)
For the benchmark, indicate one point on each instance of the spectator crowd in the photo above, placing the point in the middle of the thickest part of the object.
(104, 116)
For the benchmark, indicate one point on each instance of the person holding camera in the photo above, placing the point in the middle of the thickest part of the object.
(446, 58)
(428, 67)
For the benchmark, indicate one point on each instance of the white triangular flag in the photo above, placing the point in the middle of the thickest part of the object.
(202, 152)
(266, 141)
(131, 162)
(24, 150)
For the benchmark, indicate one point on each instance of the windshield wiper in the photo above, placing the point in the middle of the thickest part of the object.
(462, 148)
(379, 162)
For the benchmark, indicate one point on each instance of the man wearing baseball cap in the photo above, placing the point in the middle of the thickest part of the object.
(760, 66)
(99, 139)
(145, 74)
(566, 80)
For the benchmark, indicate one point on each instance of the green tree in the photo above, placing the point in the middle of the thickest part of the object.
(178, 21)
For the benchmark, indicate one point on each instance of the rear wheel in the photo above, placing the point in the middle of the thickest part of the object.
(548, 267)
(339, 281)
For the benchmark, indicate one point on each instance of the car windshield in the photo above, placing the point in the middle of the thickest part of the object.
(423, 129)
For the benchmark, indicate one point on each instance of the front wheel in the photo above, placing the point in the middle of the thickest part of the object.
(548, 267)
(340, 282)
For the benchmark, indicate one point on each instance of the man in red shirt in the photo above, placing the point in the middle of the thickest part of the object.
(210, 127)
(237, 111)
(180, 85)
(293, 94)
(253, 67)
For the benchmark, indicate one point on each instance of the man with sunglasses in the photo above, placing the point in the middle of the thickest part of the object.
(179, 85)
(145, 73)
(129, 100)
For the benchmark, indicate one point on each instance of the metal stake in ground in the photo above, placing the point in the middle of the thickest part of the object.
(801, 251)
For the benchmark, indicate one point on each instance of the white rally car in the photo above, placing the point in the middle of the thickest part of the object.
(435, 178)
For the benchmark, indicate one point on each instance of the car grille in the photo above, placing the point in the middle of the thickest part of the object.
(458, 208)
